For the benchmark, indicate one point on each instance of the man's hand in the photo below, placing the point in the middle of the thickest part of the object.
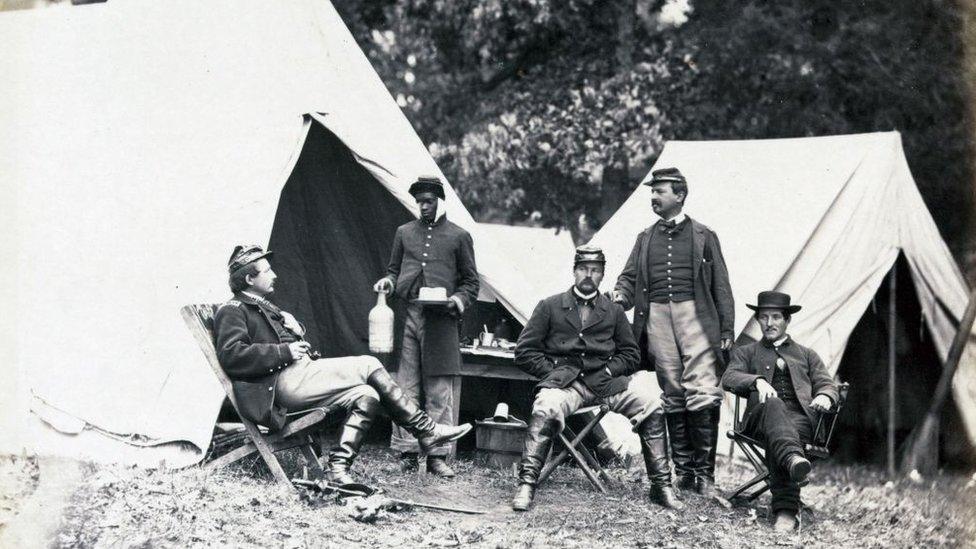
(821, 403)
(299, 349)
(617, 297)
(765, 390)
(383, 285)
(452, 308)
(291, 323)
(726, 343)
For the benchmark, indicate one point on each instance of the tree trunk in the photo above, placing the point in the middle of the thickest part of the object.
(614, 184)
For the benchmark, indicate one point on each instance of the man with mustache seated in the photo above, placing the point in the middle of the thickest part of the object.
(787, 385)
(274, 371)
(580, 346)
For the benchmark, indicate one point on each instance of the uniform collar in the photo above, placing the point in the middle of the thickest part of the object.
(569, 299)
(678, 219)
(251, 299)
(587, 298)
(781, 342)
(435, 223)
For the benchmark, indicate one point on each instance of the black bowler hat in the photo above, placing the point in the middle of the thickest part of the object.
(666, 175)
(244, 255)
(428, 184)
(774, 300)
(589, 253)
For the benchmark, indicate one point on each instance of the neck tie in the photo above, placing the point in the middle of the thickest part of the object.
(671, 227)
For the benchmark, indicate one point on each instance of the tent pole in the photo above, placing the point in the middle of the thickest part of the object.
(892, 318)
(925, 434)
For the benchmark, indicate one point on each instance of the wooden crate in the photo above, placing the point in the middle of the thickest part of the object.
(499, 444)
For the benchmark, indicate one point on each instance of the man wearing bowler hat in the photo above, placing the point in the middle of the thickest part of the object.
(677, 283)
(581, 348)
(430, 252)
(787, 385)
(274, 371)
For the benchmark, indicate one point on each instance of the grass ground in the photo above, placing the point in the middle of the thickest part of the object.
(241, 507)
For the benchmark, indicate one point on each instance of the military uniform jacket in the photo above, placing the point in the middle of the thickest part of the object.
(443, 254)
(558, 350)
(714, 304)
(440, 251)
(252, 355)
(758, 360)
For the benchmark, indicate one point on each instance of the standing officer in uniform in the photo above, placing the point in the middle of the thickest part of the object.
(431, 252)
(787, 385)
(580, 346)
(273, 370)
(677, 282)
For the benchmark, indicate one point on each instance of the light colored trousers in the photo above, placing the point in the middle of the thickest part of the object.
(684, 360)
(325, 382)
(641, 397)
(439, 396)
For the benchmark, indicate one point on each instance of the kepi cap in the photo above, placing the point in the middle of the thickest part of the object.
(666, 175)
(245, 254)
(589, 253)
(428, 184)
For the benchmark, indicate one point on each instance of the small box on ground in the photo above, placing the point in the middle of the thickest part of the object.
(499, 443)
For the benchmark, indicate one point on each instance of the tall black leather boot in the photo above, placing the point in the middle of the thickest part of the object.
(351, 440)
(408, 415)
(538, 441)
(704, 437)
(654, 448)
(681, 449)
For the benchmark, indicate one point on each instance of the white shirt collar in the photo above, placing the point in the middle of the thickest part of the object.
(580, 295)
(678, 218)
(780, 341)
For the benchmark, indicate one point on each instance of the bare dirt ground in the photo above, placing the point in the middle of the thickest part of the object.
(241, 507)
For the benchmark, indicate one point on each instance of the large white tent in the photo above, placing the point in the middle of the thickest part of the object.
(139, 141)
(544, 256)
(823, 219)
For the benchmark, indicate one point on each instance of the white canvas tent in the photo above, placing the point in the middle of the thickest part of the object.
(544, 256)
(139, 141)
(823, 219)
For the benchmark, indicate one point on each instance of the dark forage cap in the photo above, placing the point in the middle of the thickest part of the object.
(244, 255)
(666, 175)
(774, 300)
(589, 253)
(428, 184)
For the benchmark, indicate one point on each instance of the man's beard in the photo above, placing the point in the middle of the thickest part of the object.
(586, 286)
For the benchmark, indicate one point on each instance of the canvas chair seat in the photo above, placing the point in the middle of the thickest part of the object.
(298, 432)
(755, 450)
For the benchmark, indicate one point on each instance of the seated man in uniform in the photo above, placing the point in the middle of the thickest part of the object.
(787, 385)
(581, 347)
(273, 370)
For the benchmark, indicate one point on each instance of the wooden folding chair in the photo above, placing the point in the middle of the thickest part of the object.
(298, 432)
(755, 450)
(572, 446)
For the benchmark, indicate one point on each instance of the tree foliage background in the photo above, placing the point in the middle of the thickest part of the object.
(546, 110)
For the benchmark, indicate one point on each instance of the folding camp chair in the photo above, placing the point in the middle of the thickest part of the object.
(755, 450)
(572, 446)
(298, 432)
